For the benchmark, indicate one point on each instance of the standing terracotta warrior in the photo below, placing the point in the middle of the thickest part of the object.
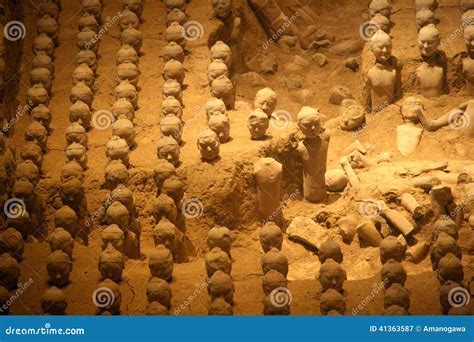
(313, 150)
(268, 174)
(431, 74)
(383, 78)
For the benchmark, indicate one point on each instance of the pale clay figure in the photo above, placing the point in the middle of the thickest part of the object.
(266, 100)
(168, 149)
(273, 280)
(219, 237)
(171, 126)
(258, 124)
(313, 151)
(115, 173)
(268, 175)
(223, 88)
(161, 263)
(208, 144)
(218, 260)
(220, 124)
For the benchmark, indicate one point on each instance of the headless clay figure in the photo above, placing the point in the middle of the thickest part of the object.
(431, 74)
(313, 150)
(268, 173)
(382, 79)
(409, 134)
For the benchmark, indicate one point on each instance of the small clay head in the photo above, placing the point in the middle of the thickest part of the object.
(381, 45)
(219, 307)
(165, 233)
(175, 188)
(412, 107)
(116, 173)
(218, 260)
(53, 301)
(221, 285)
(443, 245)
(392, 248)
(60, 239)
(113, 235)
(221, 126)
(171, 106)
(118, 214)
(72, 192)
(393, 272)
(11, 242)
(395, 310)
(162, 171)
(165, 206)
(9, 271)
(171, 126)
(271, 307)
(222, 8)
(352, 117)
(208, 144)
(156, 309)
(330, 250)
(380, 6)
(309, 122)
(273, 280)
(445, 225)
(397, 295)
(271, 236)
(59, 268)
(428, 40)
(257, 124)
(111, 264)
(107, 297)
(172, 88)
(222, 51)
(23, 190)
(66, 218)
(219, 237)
(215, 69)
(450, 268)
(332, 275)
(168, 149)
(215, 106)
(27, 169)
(424, 17)
(159, 291)
(332, 300)
(275, 260)
(382, 22)
(447, 295)
(161, 262)
(266, 100)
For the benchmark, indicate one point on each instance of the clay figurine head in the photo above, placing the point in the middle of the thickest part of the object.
(72, 193)
(273, 308)
(173, 51)
(9, 271)
(171, 106)
(257, 124)
(126, 90)
(32, 151)
(174, 188)
(81, 113)
(382, 22)
(4, 299)
(221, 285)
(222, 51)
(395, 310)
(397, 295)
(164, 207)
(132, 37)
(156, 309)
(332, 300)
(174, 33)
(215, 106)
(128, 19)
(222, 9)
(107, 297)
(124, 195)
(208, 144)
(59, 268)
(88, 21)
(113, 235)
(428, 4)
(161, 263)
(446, 297)
(223, 88)
(115, 173)
(53, 301)
(266, 100)
(174, 70)
(215, 69)
(77, 152)
(11, 242)
(61, 240)
(330, 249)
(162, 171)
(159, 291)
(424, 17)
(42, 114)
(275, 260)
(127, 54)
(176, 15)
(380, 6)
(168, 149)
(36, 132)
(111, 264)
(381, 45)
(66, 218)
(271, 236)
(165, 233)
(393, 272)
(118, 214)
(76, 133)
(467, 18)
(219, 237)
(172, 88)
(309, 122)
(171, 126)
(332, 275)
(87, 56)
(445, 225)
(23, 190)
(219, 307)
(118, 149)
(450, 268)
(469, 39)
(273, 280)
(392, 248)
(411, 108)
(443, 245)
(428, 40)
(218, 260)
(353, 117)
